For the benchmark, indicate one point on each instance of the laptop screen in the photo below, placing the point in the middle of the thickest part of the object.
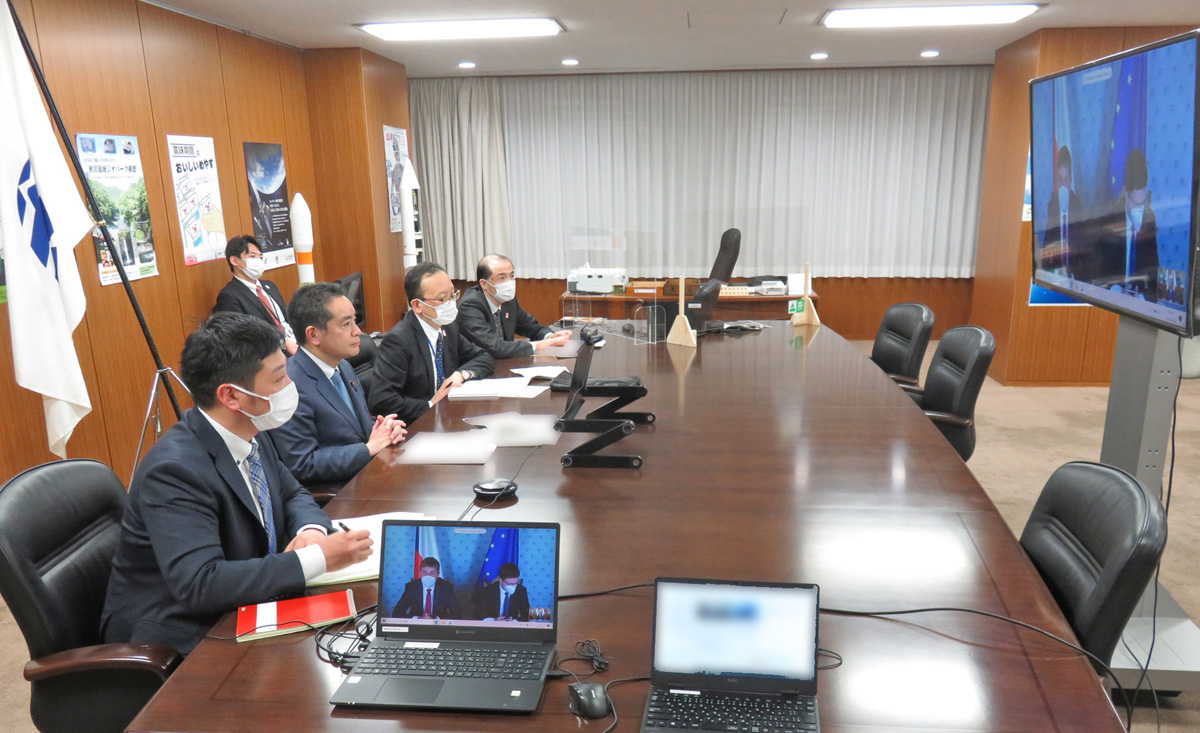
(449, 579)
(711, 631)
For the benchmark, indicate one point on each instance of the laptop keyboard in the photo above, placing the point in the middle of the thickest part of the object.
(498, 664)
(714, 711)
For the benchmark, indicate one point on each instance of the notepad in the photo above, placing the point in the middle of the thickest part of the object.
(464, 447)
(276, 618)
(367, 569)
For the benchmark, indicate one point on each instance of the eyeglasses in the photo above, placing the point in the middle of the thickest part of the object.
(442, 300)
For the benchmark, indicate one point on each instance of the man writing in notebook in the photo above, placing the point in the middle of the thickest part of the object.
(214, 520)
(428, 595)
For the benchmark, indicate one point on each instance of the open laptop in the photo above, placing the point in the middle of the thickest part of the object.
(459, 641)
(733, 655)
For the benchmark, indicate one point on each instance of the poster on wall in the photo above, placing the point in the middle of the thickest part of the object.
(267, 179)
(113, 167)
(197, 197)
(395, 151)
(3, 282)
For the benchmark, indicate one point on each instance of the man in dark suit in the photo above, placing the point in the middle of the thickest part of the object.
(248, 293)
(490, 316)
(428, 595)
(1064, 215)
(1126, 238)
(332, 436)
(194, 543)
(424, 355)
(505, 599)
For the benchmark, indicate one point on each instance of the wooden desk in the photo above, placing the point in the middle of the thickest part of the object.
(624, 306)
(779, 455)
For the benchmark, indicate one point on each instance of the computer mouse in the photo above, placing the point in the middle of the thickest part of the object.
(627, 329)
(588, 699)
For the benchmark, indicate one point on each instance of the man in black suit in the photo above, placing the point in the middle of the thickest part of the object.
(1126, 238)
(428, 595)
(505, 599)
(1064, 216)
(214, 520)
(490, 315)
(248, 293)
(332, 436)
(425, 354)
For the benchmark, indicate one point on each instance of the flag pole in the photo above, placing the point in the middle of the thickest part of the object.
(94, 208)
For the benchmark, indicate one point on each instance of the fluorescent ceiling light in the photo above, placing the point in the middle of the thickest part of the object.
(819, 56)
(457, 30)
(926, 16)
(466, 64)
(570, 62)
(930, 54)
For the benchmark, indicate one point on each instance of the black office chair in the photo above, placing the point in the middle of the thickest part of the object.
(727, 255)
(1095, 536)
(901, 341)
(59, 528)
(952, 384)
(364, 362)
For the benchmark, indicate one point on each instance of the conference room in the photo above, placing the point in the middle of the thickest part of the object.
(903, 233)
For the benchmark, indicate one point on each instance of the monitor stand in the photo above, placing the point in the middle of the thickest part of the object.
(1137, 428)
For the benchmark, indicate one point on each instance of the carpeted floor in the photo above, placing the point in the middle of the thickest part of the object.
(1024, 434)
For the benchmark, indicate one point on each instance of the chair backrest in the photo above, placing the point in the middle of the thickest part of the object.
(364, 362)
(1095, 536)
(902, 338)
(727, 255)
(59, 528)
(955, 376)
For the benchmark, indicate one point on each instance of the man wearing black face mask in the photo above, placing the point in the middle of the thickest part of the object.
(425, 354)
(214, 519)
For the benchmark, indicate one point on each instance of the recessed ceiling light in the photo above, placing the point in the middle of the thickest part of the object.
(455, 30)
(926, 16)
(930, 54)
(466, 64)
(819, 56)
(570, 62)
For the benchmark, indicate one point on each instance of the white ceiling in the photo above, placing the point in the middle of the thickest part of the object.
(660, 35)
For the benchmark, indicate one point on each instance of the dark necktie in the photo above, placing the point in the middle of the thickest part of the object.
(503, 604)
(499, 325)
(429, 602)
(259, 481)
(438, 353)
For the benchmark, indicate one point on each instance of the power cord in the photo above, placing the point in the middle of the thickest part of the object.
(612, 707)
(589, 594)
(353, 635)
(837, 659)
(497, 496)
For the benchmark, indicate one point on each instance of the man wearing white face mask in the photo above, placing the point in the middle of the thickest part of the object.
(248, 293)
(424, 355)
(1063, 212)
(490, 316)
(1127, 236)
(428, 595)
(504, 600)
(214, 519)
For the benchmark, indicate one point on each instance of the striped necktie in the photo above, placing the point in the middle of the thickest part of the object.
(259, 481)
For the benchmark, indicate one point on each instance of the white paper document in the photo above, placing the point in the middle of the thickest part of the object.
(366, 569)
(489, 389)
(540, 372)
(462, 446)
(515, 429)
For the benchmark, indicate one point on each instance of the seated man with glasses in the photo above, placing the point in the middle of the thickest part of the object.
(424, 355)
(491, 316)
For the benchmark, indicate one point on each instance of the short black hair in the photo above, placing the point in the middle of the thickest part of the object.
(483, 271)
(239, 246)
(1064, 157)
(415, 275)
(227, 348)
(509, 570)
(1136, 175)
(310, 307)
(431, 562)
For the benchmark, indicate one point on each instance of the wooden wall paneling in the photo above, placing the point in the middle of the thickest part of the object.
(104, 89)
(183, 65)
(255, 112)
(1141, 35)
(385, 88)
(298, 133)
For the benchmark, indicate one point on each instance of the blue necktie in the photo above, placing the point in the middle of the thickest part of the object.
(259, 481)
(503, 603)
(340, 385)
(438, 352)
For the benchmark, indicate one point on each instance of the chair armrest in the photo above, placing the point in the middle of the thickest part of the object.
(903, 380)
(156, 659)
(912, 389)
(962, 422)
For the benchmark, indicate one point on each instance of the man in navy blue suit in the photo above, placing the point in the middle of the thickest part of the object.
(214, 520)
(332, 436)
(428, 595)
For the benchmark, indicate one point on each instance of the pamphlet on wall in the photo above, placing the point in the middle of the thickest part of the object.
(197, 197)
(113, 167)
(395, 151)
(267, 179)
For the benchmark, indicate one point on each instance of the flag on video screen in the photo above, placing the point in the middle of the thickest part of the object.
(1129, 126)
(427, 546)
(502, 549)
(41, 221)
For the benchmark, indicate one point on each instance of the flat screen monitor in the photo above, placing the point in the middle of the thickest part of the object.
(352, 286)
(1113, 182)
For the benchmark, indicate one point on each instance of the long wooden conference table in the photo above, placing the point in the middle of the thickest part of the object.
(782, 455)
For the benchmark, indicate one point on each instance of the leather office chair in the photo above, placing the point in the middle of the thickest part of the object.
(901, 341)
(59, 528)
(952, 384)
(1095, 536)
(364, 362)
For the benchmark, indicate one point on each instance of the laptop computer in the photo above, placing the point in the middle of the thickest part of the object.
(448, 635)
(733, 655)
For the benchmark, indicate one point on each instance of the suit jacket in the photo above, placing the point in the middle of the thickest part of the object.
(235, 297)
(325, 440)
(412, 601)
(192, 546)
(1075, 236)
(477, 323)
(487, 602)
(1109, 233)
(404, 378)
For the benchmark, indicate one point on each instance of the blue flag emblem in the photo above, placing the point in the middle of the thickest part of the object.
(28, 201)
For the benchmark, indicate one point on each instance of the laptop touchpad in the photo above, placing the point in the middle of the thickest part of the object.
(410, 691)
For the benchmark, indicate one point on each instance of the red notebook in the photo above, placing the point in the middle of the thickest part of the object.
(295, 614)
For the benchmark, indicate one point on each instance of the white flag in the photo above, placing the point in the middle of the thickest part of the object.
(41, 221)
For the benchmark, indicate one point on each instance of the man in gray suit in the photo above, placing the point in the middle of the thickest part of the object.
(332, 436)
(214, 520)
(490, 316)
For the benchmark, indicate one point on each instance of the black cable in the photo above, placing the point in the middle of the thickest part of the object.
(497, 496)
(837, 659)
(589, 594)
(998, 617)
(612, 707)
